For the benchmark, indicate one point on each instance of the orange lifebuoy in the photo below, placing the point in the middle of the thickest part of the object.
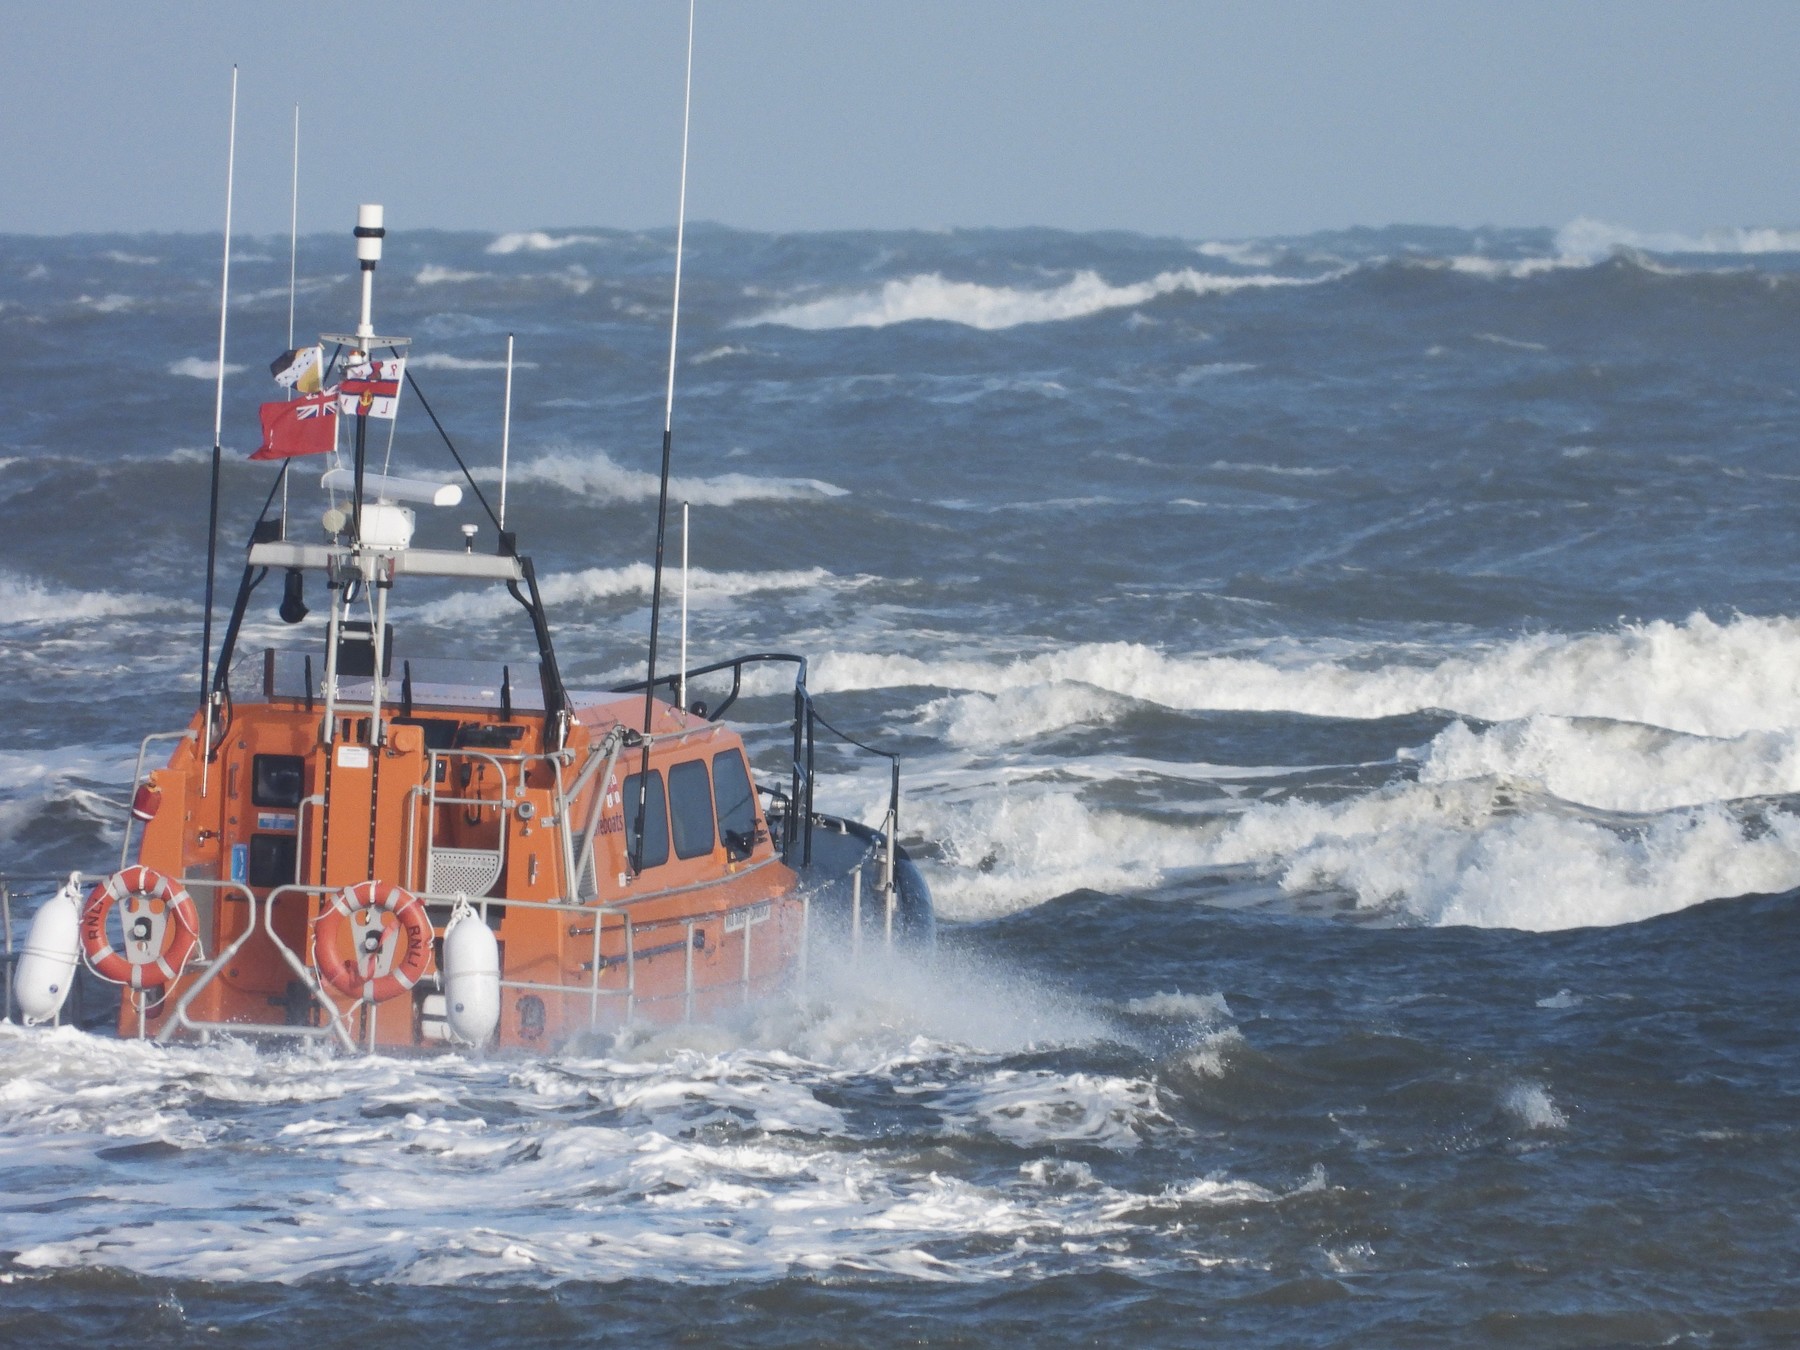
(162, 929)
(373, 971)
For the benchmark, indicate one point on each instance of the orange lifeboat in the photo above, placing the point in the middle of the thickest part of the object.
(337, 800)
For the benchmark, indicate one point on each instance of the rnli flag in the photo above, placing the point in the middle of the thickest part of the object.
(302, 369)
(305, 426)
(371, 388)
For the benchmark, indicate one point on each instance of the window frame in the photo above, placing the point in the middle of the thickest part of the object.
(656, 820)
(677, 815)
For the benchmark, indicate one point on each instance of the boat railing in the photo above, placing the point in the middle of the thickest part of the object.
(637, 942)
(465, 868)
(178, 1019)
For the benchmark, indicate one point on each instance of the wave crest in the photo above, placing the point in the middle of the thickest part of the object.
(1585, 237)
(634, 579)
(597, 476)
(26, 600)
(931, 296)
(537, 241)
(1698, 676)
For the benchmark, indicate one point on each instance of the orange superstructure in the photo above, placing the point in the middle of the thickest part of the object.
(455, 803)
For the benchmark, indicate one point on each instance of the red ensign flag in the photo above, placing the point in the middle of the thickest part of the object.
(305, 426)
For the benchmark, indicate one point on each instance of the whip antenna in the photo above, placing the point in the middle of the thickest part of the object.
(662, 495)
(294, 236)
(212, 520)
(505, 431)
(293, 265)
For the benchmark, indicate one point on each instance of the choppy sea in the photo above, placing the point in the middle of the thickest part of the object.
(1349, 692)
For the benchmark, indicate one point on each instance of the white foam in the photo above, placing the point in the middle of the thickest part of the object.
(634, 579)
(92, 763)
(1207, 1009)
(1010, 847)
(1242, 254)
(691, 1166)
(112, 303)
(594, 474)
(1700, 676)
(984, 721)
(1459, 853)
(1275, 470)
(1530, 1105)
(26, 600)
(1589, 238)
(130, 259)
(575, 277)
(1212, 1057)
(199, 368)
(537, 241)
(444, 361)
(931, 296)
(1034, 1107)
(1617, 766)
(435, 274)
(1470, 852)
(1518, 344)
(1513, 269)
(1213, 370)
(712, 354)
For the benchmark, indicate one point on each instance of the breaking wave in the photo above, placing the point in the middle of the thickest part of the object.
(537, 241)
(635, 579)
(597, 476)
(1617, 766)
(24, 600)
(1626, 774)
(199, 368)
(1514, 269)
(1698, 676)
(444, 361)
(1465, 852)
(1587, 238)
(932, 296)
(435, 274)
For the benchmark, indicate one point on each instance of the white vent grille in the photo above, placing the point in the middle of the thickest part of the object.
(462, 871)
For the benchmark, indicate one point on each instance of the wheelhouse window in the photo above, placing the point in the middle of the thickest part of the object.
(656, 821)
(691, 808)
(736, 801)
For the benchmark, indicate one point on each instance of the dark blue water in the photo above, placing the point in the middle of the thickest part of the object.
(1350, 694)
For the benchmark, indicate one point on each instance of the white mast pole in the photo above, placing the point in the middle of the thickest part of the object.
(687, 104)
(212, 523)
(662, 494)
(225, 272)
(682, 697)
(293, 272)
(294, 227)
(506, 428)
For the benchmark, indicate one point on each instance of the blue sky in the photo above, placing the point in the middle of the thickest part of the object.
(1194, 119)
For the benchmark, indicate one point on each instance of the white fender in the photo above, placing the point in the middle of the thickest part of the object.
(46, 969)
(471, 978)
